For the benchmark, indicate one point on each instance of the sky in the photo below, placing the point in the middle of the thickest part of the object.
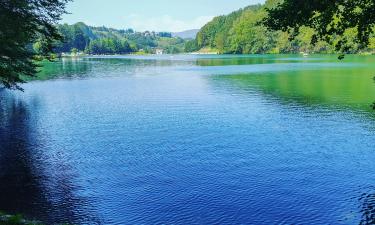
(153, 15)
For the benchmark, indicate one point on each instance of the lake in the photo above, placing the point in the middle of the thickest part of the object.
(267, 139)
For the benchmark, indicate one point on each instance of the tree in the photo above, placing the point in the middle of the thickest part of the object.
(23, 23)
(74, 51)
(80, 40)
(330, 20)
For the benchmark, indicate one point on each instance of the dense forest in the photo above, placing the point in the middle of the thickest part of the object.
(102, 40)
(241, 32)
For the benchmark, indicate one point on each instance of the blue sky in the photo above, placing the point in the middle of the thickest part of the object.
(158, 15)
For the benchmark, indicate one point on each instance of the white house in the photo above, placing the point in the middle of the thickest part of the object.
(159, 51)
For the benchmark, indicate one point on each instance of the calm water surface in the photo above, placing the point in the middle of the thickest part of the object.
(192, 140)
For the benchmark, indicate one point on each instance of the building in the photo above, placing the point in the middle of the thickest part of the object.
(159, 51)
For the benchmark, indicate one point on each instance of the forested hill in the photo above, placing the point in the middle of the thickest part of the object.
(102, 40)
(240, 33)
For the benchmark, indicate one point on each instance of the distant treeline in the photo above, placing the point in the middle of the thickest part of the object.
(102, 40)
(242, 33)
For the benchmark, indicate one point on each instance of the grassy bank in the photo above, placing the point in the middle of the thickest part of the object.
(15, 220)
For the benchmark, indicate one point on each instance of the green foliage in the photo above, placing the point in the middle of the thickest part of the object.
(240, 33)
(109, 46)
(191, 46)
(220, 26)
(346, 24)
(171, 45)
(15, 220)
(74, 51)
(244, 32)
(103, 40)
(23, 22)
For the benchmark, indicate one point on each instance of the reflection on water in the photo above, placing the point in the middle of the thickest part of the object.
(351, 88)
(192, 140)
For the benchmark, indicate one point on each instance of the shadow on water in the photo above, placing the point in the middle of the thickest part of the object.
(26, 186)
(367, 201)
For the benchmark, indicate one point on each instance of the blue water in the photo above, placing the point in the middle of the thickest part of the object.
(191, 140)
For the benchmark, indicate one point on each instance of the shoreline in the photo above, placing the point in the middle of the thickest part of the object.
(216, 53)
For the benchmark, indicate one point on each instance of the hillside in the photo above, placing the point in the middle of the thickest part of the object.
(102, 40)
(240, 33)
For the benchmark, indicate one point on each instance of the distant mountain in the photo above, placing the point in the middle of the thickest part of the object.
(187, 34)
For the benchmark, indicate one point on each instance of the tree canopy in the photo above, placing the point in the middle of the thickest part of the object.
(103, 40)
(245, 31)
(330, 20)
(22, 23)
(241, 33)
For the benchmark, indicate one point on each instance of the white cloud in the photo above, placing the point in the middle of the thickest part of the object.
(164, 23)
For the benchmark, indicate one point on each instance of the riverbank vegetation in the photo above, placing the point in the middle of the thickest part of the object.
(242, 32)
(15, 220)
